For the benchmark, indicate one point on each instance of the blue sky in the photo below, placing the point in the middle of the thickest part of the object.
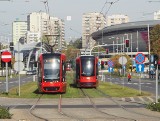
(135, 9)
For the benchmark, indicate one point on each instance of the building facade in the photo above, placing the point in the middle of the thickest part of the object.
(57, 32)
(157, 15)
(19, 29)
(136, 32)
(40, 24)
(91, 22)
(117, 19)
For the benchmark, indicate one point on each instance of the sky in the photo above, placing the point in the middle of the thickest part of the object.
(137, 10)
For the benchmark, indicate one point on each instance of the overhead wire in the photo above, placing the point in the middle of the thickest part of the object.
(111, 3)
(104, 6)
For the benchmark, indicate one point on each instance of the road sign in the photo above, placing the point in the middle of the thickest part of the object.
(124, 67)
(122, 60)
(134, 63)
(110, 63)
(110, 69)
(99, 63)
(6, 56)
(19, 66)
(140, 58)
(18, 56)
(140, 67)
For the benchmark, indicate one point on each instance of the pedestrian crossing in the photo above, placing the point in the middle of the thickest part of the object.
(144, 100)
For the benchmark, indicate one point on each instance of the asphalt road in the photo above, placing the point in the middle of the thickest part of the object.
(14, 82)
(141, 84)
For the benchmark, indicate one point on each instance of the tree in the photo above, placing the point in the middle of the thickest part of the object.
(71, 52)
(117, 65)
(77, 43)
(155, 39)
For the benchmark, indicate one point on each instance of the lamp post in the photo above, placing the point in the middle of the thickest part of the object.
(117, 44)
(149, 43)
(116, 38)
(113, 46)
(131, 52)
(137, 42)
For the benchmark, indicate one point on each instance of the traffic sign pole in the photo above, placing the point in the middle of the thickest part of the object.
(157, 84)
(140, 58)
(6, 77)
(6, 57)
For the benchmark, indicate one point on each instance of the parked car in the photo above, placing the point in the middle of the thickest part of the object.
(31, 72)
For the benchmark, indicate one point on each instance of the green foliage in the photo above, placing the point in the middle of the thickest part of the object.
(45, 39)
(71, 53)
(77, 44)
(117, 65)
(154, 106)
(4, 113)
(98, 49)
(155, 39)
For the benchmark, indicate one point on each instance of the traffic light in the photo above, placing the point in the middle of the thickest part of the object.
(11, 46)
(107, 51)
(154, 59)
(102, 64)
(127, 43)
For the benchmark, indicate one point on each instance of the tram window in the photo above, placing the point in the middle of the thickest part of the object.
(52, 69)
(88, 67)
(39, 72)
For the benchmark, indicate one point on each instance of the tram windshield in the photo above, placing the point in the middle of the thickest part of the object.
(87, 66)
(51, 68)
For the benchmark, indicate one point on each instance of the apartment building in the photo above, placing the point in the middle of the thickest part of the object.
(42, 24)
(91, 22)
(157, 15)
(57, 31)
(19, 29)
(117, 19)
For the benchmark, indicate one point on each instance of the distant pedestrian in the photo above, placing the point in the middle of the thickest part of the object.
(129, 77)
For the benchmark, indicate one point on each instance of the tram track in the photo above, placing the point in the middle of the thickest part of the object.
(123, 107)
(62, 112)
(34, 107)
(112, 116)
(59, 110)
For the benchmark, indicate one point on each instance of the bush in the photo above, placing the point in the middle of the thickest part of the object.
(154, 106)
(4, 113)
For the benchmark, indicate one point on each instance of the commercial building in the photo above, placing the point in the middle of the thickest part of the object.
(116, 35)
